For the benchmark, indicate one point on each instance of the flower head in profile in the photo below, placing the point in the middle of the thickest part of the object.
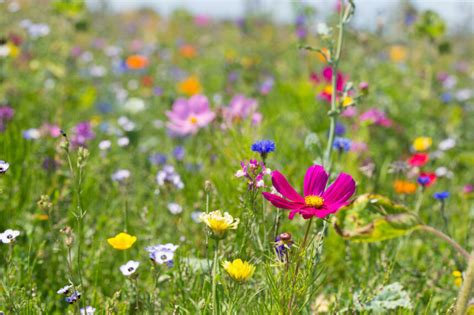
(457, 278)
(3, 166)
(129, 268)
(187, 116)
(317, 200)
(240, 271)
(219, 223)
(190, 86)
(162, 254)
(9, 236)
(421, 144)
(122, 241)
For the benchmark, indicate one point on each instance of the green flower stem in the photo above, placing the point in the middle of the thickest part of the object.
(214, 279)
(334, 63)
(298, 264)
(466, 289)
(445, 237)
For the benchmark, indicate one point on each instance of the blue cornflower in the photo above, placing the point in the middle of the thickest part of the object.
(441, 195)
(342, 144)
(263, 147)
(178, 153)
(340, 129)
(423, 180)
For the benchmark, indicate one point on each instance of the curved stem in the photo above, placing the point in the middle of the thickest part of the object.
(466, 289)
(451, 242)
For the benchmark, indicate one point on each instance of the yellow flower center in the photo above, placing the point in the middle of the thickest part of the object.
(314, 201)
(193, 120)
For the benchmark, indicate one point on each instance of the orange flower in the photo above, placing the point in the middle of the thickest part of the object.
(136, 62)
(323, 55)
(398, 53)
(404, 187)
(188, 51)
(190, 86)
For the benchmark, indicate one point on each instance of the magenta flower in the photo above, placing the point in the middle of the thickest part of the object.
(240, 108)
(82, 134)
(326, 80)
(317, 201)
(189, 115)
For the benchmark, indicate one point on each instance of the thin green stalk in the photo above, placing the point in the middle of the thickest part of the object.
(445, 237)
(214, 279)
(334, 63)
(298, 264)
(466, 289)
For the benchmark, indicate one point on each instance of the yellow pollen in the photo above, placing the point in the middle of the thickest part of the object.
(193, 119)
(314, 201)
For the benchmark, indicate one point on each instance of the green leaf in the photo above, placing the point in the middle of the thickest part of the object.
(373, 218)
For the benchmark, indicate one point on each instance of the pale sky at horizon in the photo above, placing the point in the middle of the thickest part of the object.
(454, 12)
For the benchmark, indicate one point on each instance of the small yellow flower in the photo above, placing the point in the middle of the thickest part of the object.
(239, 270)
(122, 241)
(457, 278)
(218, 223)
(190, 86)
(422, 143)
(346, 101)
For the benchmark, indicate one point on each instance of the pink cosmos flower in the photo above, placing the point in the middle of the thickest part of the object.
(377, 117)
(240, 108)
(189, 115)
(317, 201)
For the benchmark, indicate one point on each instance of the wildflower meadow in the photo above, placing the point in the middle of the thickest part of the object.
(188, 164)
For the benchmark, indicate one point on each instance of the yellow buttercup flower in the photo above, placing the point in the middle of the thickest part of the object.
(218, 223)
(457, 278)
(122, 241)
(422, 143)
(239, 270)
(190, 86)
